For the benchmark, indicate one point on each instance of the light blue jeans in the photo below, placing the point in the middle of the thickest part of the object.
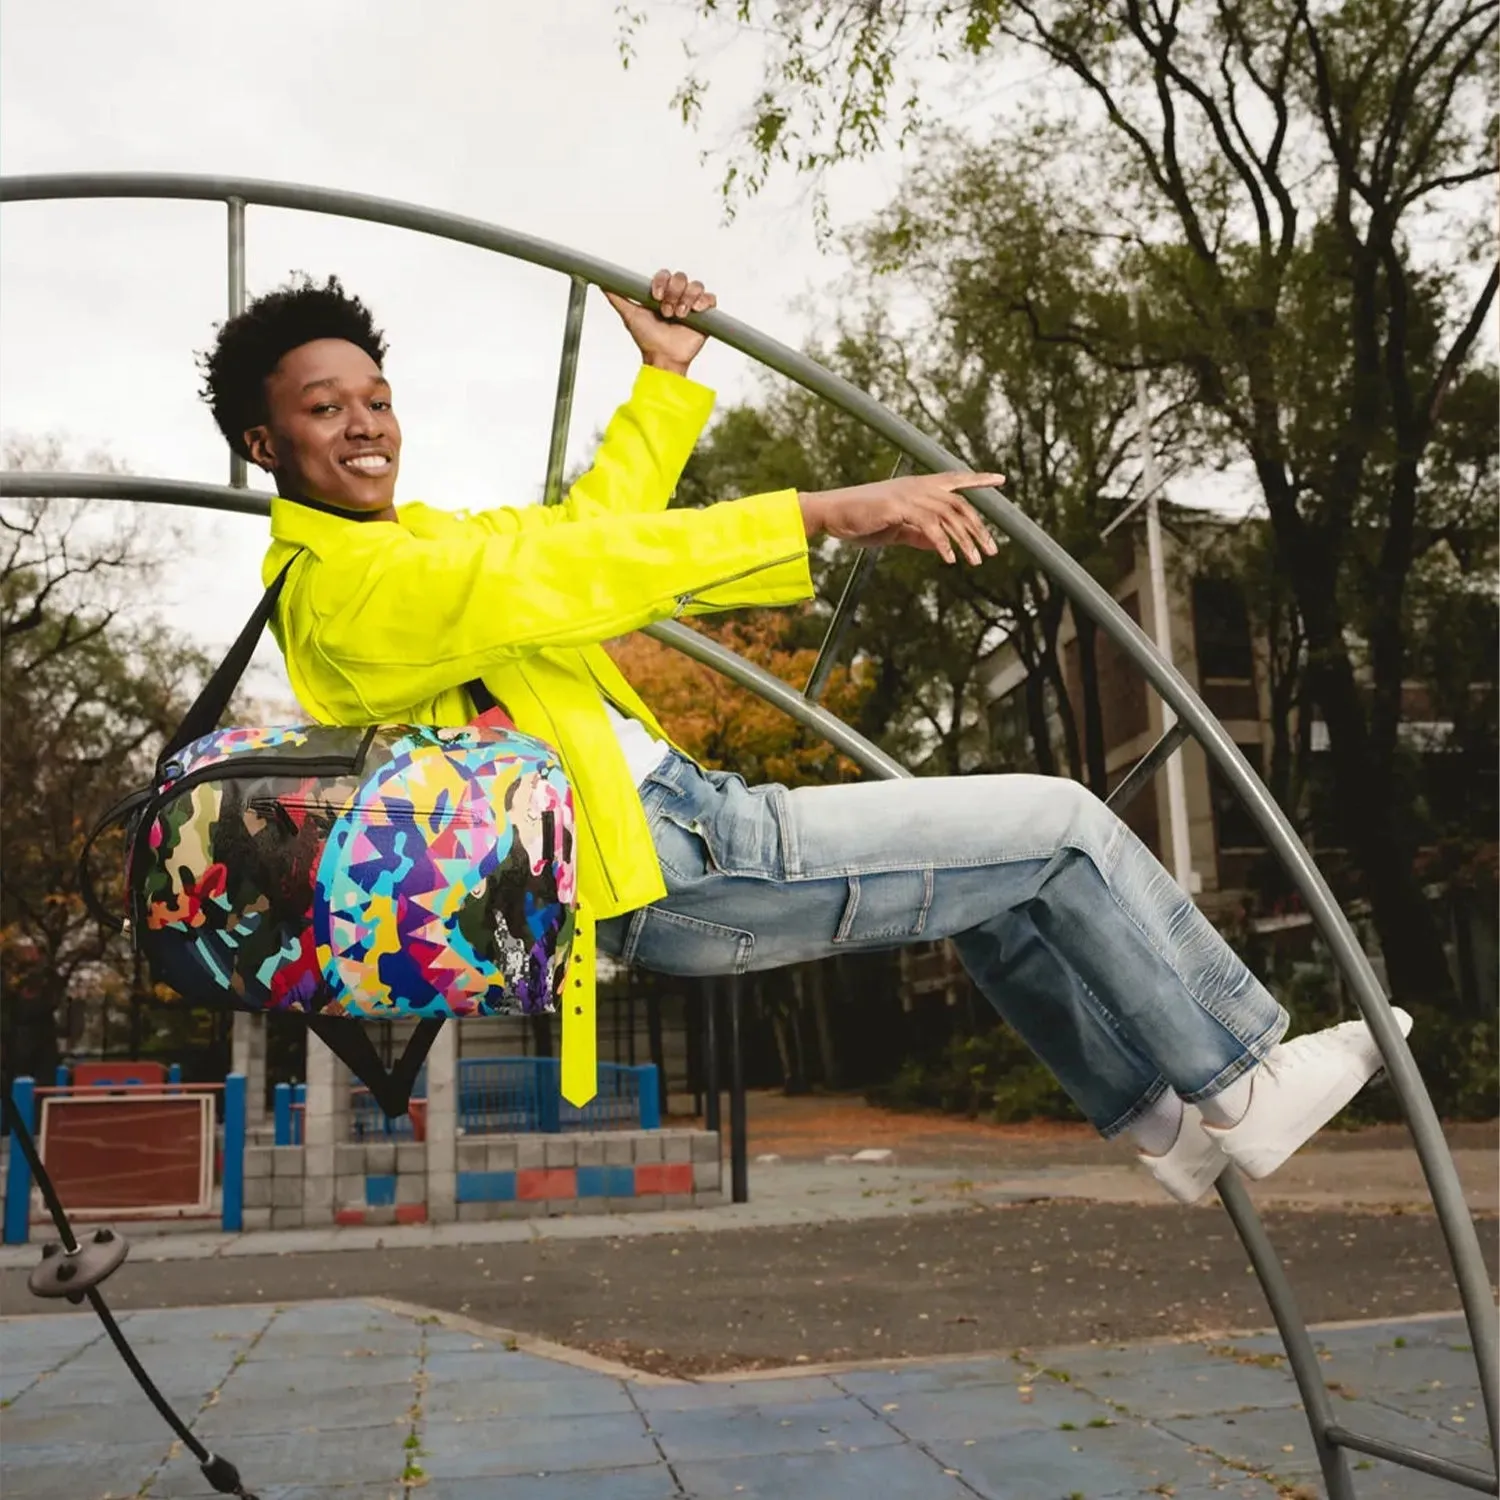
(1063, 918)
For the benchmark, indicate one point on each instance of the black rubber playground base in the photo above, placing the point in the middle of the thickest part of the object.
(1030, 1275)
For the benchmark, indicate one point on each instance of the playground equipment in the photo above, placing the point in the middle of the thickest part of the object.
(130, 1139)
(1187, 717)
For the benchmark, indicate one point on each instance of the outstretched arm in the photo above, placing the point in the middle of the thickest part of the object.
(400, 618)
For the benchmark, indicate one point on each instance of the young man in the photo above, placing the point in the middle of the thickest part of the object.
(1066, 922)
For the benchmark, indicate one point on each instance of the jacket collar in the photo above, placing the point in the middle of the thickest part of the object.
(319, 531)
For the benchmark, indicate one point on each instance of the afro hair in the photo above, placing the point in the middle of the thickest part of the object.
(251, 344)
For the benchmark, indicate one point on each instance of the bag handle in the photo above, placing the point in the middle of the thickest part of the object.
(487, 708)
(121, 812)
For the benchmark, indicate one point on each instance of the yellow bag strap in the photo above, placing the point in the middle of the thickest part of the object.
(580, 1056)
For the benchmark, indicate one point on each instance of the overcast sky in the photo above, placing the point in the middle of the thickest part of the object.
(518, 114)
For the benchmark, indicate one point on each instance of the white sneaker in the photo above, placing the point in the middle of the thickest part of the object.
(1297, 1090)
(1193, 1164)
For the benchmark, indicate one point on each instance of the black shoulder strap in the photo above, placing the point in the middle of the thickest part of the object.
(208, 708)
(347, 1039)
(203, 717)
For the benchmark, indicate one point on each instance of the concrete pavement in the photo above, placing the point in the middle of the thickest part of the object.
(369, 1400)
(792, 1193)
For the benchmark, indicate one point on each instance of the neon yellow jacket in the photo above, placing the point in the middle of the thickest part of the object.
(383, 622)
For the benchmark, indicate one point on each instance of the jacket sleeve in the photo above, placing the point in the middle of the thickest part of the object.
(402, 618)
(640, 459)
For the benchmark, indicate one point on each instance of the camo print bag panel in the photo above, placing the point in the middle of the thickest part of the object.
(365, 872)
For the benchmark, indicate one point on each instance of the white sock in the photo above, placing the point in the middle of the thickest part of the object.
(1155, 1132)
(1228, 1106)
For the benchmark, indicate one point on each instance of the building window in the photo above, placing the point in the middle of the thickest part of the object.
(1222, 628)
(1235, 825)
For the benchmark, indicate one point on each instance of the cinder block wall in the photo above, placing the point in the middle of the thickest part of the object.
(274, 1187)
(497, 1177)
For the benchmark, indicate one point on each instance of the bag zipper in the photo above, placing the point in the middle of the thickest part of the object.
(271, 764)
(265, 806)
(224, 770)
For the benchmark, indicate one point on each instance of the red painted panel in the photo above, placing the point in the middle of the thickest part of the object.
(91, 1074)
(535, 1184)
(664, 1177)
(119, 1152)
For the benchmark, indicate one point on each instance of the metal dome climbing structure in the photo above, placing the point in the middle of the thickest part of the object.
(1333, 1441)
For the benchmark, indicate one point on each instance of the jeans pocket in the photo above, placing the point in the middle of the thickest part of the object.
(890, 906)
(720, 826)
(681, 849)
(671, 943)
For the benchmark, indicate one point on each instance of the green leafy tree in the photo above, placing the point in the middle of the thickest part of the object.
(1059, 423)
(1294, 188)
(90, 685)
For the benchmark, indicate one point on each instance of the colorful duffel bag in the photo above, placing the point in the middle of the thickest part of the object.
(379, 873)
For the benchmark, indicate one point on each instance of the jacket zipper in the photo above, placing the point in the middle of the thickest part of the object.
(683, 600)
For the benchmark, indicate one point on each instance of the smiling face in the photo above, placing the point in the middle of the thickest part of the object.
(330, 432)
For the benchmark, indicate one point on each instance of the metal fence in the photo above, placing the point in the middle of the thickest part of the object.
(498, 1096)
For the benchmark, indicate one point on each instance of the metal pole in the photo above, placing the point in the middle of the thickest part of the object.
(1146, 767)
(838, 626)
(238, 476)
(843, 614)
(562, 410)
(232, 1213)
(1300, 1353)
(1182, 855)
(654, 1040)
(711, 1055)
(739, 1162)
(1413, 1458)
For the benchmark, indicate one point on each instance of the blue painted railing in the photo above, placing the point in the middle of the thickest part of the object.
(18, 1172)
(499, 1096)
(288, 1100)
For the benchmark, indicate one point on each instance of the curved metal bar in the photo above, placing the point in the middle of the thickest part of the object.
(50, 187)
(1086, 593)
(701, 648)
(1292, 1326)
(1413, 1458)
(25, 483)
(32, 484)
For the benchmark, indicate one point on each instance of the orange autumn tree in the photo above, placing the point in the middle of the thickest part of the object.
(729, 728)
